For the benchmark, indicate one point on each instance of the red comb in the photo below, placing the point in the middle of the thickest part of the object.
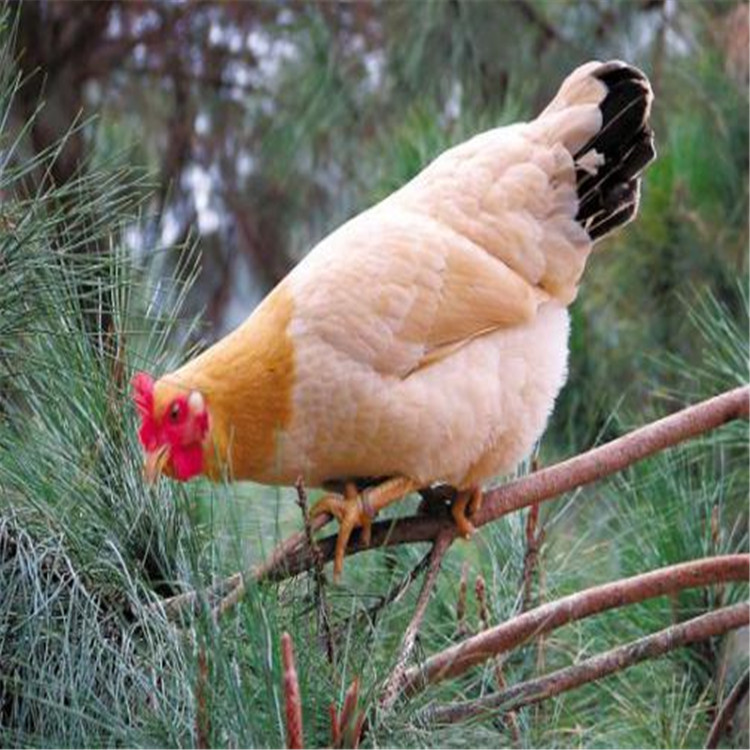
(143, 396)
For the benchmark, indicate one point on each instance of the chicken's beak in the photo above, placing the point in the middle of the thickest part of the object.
(153, 465)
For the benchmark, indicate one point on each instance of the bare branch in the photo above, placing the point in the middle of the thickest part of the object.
(395, 681)
(480, 589)
(293, 556)
(546, 484)
(652, 646)
(508, 635)
(235, 584)
(393, 595)
(727, 710)
(534, 541)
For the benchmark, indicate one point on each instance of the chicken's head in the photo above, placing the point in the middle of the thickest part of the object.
(174, 428)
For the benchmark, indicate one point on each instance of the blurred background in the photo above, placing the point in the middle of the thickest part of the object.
(266, 124)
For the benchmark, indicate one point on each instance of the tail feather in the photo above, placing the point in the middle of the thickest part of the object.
(610, 164)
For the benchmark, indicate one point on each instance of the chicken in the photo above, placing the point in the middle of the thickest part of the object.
(426, 339)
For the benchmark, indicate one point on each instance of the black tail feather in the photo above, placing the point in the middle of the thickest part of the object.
(608, 197)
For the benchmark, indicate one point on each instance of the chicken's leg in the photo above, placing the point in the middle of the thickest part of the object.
(354, 509)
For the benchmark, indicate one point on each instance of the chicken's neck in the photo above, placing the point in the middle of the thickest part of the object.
(247, 380)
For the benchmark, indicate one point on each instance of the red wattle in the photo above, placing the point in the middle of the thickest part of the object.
(187, 461)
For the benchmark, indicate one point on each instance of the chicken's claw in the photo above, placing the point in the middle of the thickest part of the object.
(472, 498)
(352, 511)
(357, 510)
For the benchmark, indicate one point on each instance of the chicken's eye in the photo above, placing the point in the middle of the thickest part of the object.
(174, 413)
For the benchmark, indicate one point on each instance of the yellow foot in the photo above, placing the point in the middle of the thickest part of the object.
(472, 498)
(354, 510)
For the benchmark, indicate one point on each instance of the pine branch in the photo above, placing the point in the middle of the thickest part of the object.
(293, 556)
(546, 484)
(480, 589)
(394, 595)
(457, 659)
(652, 646)
(727, 710)
(393, 686)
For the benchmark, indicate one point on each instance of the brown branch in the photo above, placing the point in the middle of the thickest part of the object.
(395, 681)
(546, 484)
(235, 584)
(282, 552)
(394, 595)
(293, 557)
(534, 541)
(462, 656)
(652, 646)
(292, 698)
(727, 710)
(480, 589)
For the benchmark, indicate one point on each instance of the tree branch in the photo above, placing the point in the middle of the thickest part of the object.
(235, 584)
(293, 557)
(392, 688)
(545, 484)
(652, 646)
(508, 635)
(727, 710)
(480, 589)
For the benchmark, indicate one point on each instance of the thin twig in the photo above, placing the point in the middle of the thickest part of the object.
(175, 605)
(319, 576)
(652, 646)
(394, 595)
(531, 566)
(508, 635)
(534, 541)
(393, 686)
(721, 722)
(292, 697)
(541, 644)
(716, 545)
(480, 588)
(276, 561)
(461, 628)
(292, 557)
